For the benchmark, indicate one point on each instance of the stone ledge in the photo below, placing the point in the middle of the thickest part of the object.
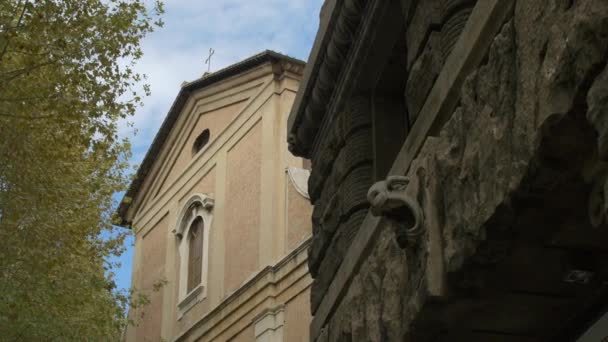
(194, 297)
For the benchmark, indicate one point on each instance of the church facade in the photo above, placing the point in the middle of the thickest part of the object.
(220, 212)
(459, 170)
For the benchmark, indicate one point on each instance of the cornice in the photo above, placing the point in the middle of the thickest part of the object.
(340, 26)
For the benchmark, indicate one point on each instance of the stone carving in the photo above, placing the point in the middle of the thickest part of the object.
(455, 14)
(339, 181)
(194, 207)
(426, 18)
(344, 32)
(389, 198)
(354, 117)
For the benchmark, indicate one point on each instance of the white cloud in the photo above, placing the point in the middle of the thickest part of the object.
(236, 29)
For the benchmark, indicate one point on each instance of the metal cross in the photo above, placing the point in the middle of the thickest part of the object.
(208, 60)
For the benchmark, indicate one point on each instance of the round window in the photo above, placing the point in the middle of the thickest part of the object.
(200, 141)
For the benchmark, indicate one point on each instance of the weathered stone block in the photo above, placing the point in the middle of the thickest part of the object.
(427, 18)
(452, 28)
(422, 75)
(376, 304)
(350, 197)
(357, 149)
(355, 117)
(334, 255)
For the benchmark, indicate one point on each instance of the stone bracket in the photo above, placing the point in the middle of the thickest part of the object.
(411, 206)
(428, 191)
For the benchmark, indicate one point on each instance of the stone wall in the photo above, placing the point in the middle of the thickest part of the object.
(389, 289)
(341, 174)
(342, 161)
(542, 83)
(433, 28)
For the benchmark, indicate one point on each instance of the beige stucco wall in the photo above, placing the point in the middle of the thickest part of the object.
(216, 121)
(215, 108)
(256, 221)
(242, 209)
(153, 270)
(297, 318)
(206, 185)
(298, 222)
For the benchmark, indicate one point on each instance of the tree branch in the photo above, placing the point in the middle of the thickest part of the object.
(16, 26)
(29, 98)
(26, 117)
(16, 73)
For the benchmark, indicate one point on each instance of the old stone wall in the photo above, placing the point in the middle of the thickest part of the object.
(433, 28)
(545, 68)
(342, 161)
(341, 174)
(389, 290)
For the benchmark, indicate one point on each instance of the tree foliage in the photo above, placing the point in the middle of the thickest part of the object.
(66, 79)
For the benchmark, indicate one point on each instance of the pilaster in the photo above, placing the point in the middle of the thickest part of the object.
(171, 288)
(216, 282)
(269, 175)
(270, 324)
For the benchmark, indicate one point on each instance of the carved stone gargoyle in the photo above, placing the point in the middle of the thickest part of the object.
(389, 198)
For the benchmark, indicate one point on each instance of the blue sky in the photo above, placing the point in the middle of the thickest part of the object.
(235, 29)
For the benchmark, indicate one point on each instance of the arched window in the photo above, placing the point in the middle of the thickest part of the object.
(200, 141)
(192, 237)
(195, 253)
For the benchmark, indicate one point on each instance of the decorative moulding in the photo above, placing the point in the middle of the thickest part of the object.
(191, 210)
(268, 325)
(334, 52)
(197, 206)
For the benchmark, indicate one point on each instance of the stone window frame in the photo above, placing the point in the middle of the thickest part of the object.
(198, 205)
(201, 141)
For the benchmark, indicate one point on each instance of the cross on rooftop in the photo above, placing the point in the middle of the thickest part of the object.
(208, 60)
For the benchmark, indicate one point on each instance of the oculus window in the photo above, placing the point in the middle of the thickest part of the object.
(200, 141)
